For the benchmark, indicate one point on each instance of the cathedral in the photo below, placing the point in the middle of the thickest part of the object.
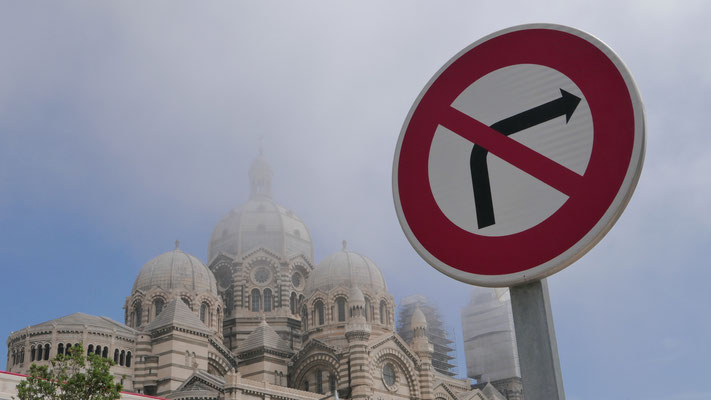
(261, 319)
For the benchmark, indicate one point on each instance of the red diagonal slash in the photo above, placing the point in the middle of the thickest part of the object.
(513, 152)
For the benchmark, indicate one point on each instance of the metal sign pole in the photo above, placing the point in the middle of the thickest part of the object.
(536, 343)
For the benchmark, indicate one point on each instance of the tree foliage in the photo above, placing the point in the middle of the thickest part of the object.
(70, 378)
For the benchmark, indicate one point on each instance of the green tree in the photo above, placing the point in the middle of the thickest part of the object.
(70, 378)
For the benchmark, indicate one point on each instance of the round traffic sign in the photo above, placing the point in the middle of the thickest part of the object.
(519, 155)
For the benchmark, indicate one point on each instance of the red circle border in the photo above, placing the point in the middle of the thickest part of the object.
(607, 94)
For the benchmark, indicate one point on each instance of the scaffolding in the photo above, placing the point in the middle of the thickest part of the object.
(443, 346)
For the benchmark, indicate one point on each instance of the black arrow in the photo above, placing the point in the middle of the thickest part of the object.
(564, 105)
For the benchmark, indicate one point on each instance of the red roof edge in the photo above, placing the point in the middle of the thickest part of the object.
(131, 393)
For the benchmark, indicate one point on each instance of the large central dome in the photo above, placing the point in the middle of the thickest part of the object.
(260, 223)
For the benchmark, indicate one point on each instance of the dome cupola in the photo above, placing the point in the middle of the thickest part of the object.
(355, 297)
(260, 222)
(418, 321)
(170, 276)
(346, 268)
(175, 270)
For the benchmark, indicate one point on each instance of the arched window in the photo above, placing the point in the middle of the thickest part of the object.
(276, 377)
(341, 306)
(186, 300)
(128, 359)
(319, 381)
(204, 314)
(267, 299)
(256, 300)
(137, 311)
(318, 309)
(306, 386)
(46, 352)
(116, 356)
(32, 353)
(304, 318)
(331, 383)
(67, 348)
(105, 352)
(383, 307)
(158, 304)
(39, 352)
(98, 350)
(122, 358)
(60, 349)
(368, 316)
(292, 303)
(90, 349)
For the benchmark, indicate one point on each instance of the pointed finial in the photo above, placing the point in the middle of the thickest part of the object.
(177, 245)
(344, 245)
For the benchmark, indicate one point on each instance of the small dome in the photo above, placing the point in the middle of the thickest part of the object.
(345, 268)
(418, 319)
(176, 270)
(356, 296)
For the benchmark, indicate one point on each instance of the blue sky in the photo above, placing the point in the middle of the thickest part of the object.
(125, 126)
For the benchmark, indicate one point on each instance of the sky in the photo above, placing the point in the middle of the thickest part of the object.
(127, 125)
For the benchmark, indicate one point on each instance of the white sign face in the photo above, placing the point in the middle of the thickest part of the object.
(519, 155)
(520, 201)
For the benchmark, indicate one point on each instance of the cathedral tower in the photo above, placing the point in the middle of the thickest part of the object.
(357, 334)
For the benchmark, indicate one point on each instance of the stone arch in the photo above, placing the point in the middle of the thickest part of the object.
(217, 365)
(304, 317)
(268, 300)
(385, 311)
(255, 300)
(300, 267)
(223, 274)
(319, 313)
(322, 361)
(261, 260)
(341, 314)
(367, 309)
(157, 302)
(292, 303)
(403, 363)
(188, 299)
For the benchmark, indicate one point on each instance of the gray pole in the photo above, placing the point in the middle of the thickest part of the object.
(535, 338)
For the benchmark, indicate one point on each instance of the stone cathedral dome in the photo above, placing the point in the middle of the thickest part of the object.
(346, 268)
(176, 270)
(261, 222)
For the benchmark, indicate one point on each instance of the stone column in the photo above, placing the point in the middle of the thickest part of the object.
(357, 334)
(422, 347)
(284, 286)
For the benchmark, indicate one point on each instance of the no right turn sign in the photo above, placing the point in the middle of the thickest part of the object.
(519, 155)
